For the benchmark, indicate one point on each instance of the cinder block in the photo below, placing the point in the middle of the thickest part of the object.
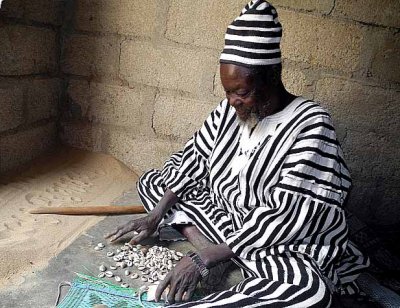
(294, 80)
(91, 56)
(388, 212)
(375, 202)
(385, 55)
(82, 135)
(78, 99)
(20, 148)
(374, 162)
(320, 41)
(178, 116)
(139, 153)
(319, 6)
(167, 67)
(218, 89)
(114, 105)
(362, 200)
(360, 107)
(46, 11)
(42, 99)
(130, 17)
(11, 110)
(384, 12)
(122, 106)
(27, 50)
(201, 23)
(363, 152)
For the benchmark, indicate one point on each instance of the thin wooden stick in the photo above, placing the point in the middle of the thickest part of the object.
(91, 210)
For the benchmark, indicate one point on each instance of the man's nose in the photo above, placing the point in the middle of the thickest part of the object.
(234, 100)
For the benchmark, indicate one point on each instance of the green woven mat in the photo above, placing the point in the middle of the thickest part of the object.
(85, 293)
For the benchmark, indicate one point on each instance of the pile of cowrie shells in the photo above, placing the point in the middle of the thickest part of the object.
(150, 264)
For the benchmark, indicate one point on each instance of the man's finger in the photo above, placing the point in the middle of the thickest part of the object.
(189, 293)
(120, 233)
(182, 288)
(108, 235)
(116, 236)
(162, 286)
(138, 238)
(172, 291)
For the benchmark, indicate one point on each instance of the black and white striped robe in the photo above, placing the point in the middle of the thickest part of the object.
(282, 215)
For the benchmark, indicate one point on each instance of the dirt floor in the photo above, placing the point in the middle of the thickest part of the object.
(68, 177)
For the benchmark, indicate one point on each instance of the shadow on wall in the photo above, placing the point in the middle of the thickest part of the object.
(368, 131)
(90, 65)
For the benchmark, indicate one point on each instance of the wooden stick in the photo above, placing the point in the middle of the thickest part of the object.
(91, 210)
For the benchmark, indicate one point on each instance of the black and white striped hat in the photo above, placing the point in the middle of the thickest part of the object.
(253, 38)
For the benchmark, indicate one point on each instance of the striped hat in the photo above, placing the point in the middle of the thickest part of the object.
(253, 38)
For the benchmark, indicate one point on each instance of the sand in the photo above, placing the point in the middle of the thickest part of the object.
(68, 177)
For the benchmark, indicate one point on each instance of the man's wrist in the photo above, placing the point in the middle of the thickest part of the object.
(201, 267)
(215, 254)
(204, 257)
(164, 205)
(155, 216)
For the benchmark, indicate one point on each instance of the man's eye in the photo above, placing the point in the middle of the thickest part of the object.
(243, 94)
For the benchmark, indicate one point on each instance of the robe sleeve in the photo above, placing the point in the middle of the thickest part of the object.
(313, 178)
(187, 171)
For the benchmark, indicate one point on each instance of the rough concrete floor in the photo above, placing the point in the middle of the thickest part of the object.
(40, 289)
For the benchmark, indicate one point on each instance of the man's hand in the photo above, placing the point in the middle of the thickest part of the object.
(144, 226)
(182, 281)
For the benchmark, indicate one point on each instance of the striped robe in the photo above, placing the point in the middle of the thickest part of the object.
(282, 215)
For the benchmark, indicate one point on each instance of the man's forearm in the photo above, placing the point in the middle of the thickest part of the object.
(165, 204)
(215, 254)
(211, 255)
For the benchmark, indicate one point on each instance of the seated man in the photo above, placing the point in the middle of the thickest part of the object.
(263, 183)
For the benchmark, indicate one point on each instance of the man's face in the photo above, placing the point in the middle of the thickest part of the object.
(240, 91)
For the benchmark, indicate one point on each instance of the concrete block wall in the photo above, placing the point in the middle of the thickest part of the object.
(141, 76)
(30, 86)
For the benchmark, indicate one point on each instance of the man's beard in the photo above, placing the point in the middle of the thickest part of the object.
(258, 112)
(251, 120)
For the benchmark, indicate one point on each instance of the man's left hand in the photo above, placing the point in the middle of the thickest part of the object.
(182, 281)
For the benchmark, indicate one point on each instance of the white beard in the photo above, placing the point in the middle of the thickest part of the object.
(251, 122)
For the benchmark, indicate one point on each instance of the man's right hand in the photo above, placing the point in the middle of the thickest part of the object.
(144, 227)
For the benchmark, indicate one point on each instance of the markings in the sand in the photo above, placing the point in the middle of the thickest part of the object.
(35, 234)
(17, 219)
(36, 198)
(8, 227)
(64, 190)
(16, 224)
(55, 222)
(10, 191)
(67, 188)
